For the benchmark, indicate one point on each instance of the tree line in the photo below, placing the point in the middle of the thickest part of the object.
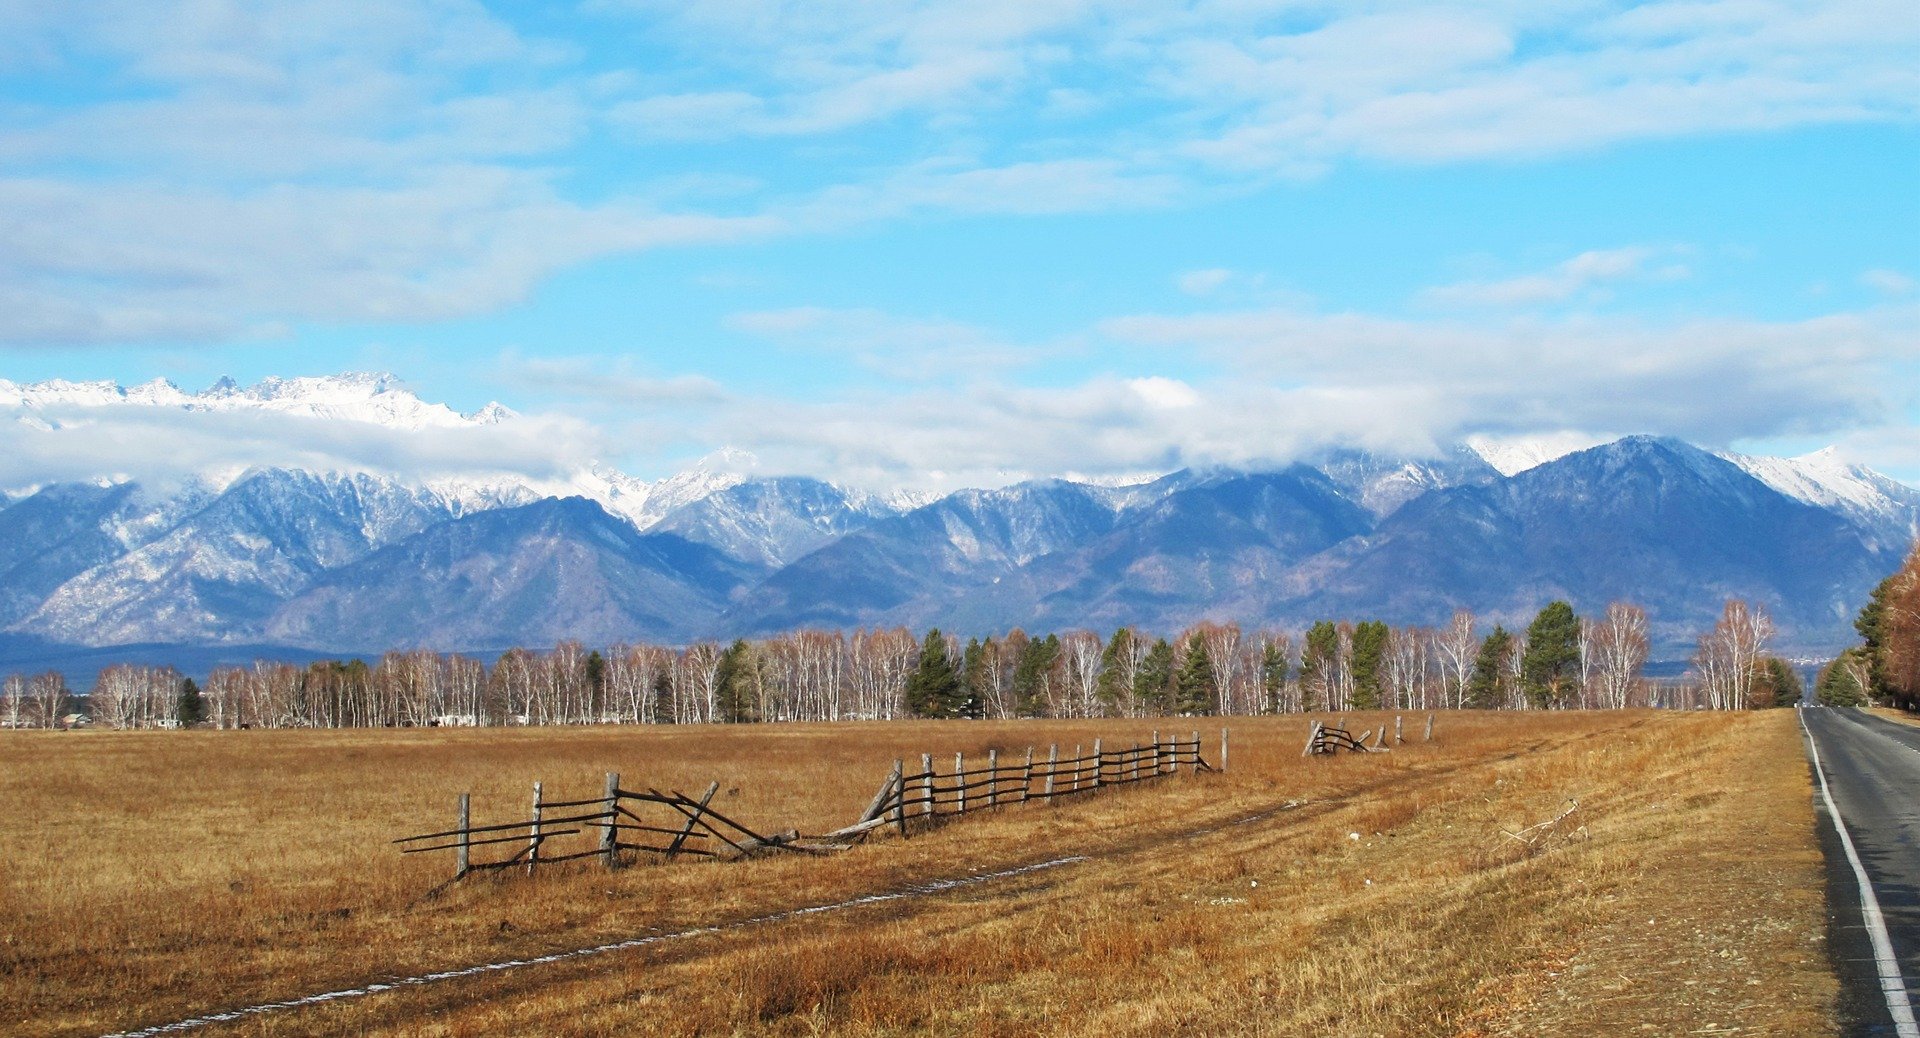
(1885, 666)
(1560, 660)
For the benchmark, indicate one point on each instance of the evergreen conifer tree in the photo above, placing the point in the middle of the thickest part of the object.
(1153, 683)
(1273, 676)
(1316, 662)
(1196, 689)
(975, 679)
(1113, 671)
(933, 689)
(736, 683)
(1837, 686)
(190, 708)
(1550, 669)
(1488, 687)
(1776, 684)
(1369, 655)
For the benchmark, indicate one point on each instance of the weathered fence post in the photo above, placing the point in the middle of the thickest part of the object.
(926, 783)
(1133, 769)
(1396, 730)
(1026, 778)
(960, 779)
(993, 778)
(460, 861)
(1053, 758)
(1223, 749)
(1429, 737)
(1156, 751)
(1312, 738)
(607, 840)
(533, 835)
(900, 795)
(1078, 763)
(1099, 762)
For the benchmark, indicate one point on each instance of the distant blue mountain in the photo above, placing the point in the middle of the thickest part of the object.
(355, 563)
(531, 575)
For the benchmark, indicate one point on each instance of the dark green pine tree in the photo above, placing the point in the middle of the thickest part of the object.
(933, 689)
(1316, 662)
(1837, 686)
(1273, 676)
(736, 683)
(1871, 623)
(1033, 676)
(976, 678)
(1550, 669)
(1369, 664)
(1776, 684)
(1196, 691)
(1153, 682)
(597, 682)
(190, 707)
(1488, 686)
(1113, 687)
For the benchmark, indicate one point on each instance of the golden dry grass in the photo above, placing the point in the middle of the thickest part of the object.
(172, 873)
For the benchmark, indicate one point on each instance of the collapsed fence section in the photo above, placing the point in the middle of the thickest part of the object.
(1328, 739)
(625, 824)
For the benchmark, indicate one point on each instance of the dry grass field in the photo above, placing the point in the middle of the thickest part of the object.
(155, 876)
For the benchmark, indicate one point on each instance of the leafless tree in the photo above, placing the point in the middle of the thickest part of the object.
(1620, 646)
(1458, 646)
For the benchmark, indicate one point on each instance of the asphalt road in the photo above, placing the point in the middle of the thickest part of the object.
(1872, 770)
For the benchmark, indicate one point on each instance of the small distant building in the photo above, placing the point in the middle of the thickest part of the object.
(454, 721)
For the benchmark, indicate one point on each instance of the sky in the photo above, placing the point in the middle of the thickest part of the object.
(957, 244)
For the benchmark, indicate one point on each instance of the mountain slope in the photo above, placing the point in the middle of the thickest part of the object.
(772, 521)
(1219, 549)
(217, 573)
(1647, 520)
(944, 562)
(533, 575)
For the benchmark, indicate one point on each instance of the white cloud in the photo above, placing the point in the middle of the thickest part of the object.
(1890, 282)
(161, 446)
(89, 263)
(1580, 276)
(1203, 282)
(1164, 394)
(1443, 379)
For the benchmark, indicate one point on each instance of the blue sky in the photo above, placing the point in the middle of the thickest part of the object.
(948, 244)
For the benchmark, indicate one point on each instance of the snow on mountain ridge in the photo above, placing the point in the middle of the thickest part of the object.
(1512, 455)
(1825, 479)
(373, 397)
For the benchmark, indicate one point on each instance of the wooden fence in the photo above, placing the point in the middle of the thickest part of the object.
(1328, 739)
(930, 793)
(622, 826)
(623, 823)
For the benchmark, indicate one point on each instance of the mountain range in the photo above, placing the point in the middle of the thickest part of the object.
(356, 562)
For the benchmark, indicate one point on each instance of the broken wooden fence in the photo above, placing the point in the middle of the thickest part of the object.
(623, 824)
(1328, 739)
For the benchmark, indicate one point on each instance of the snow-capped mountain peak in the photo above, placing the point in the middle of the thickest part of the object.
(1825, 478)
(1512, 455)
(372, 397)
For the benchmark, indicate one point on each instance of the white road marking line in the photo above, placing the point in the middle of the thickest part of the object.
(1893, 984)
